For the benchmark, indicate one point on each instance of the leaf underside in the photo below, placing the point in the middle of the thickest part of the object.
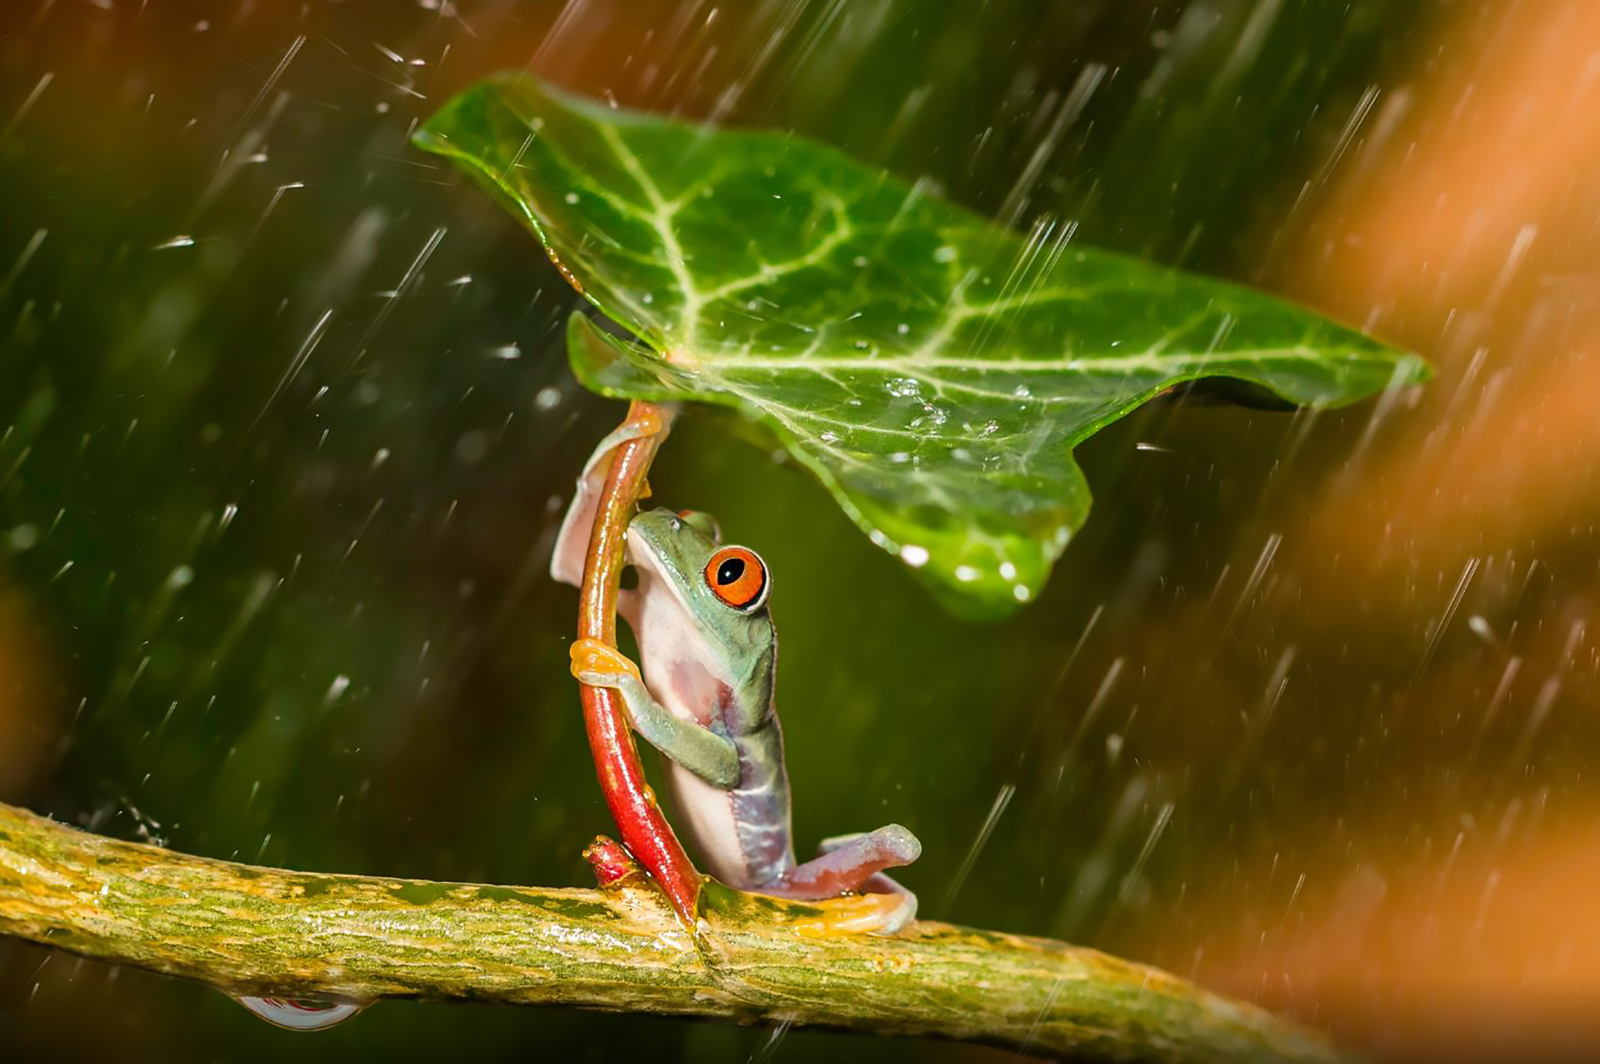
(932, 370)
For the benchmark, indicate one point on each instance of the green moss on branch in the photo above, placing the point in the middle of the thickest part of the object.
(261, 930)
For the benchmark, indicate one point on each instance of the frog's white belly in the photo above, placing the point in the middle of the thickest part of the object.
(742, 835)
(708, 821)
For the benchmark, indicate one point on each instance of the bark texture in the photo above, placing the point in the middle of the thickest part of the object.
(251, 930)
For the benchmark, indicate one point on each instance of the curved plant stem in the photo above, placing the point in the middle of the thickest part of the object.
(633, 805)
(252, 930)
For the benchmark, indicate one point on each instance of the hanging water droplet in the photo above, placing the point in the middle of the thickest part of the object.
(336, 690)
(299, 1014)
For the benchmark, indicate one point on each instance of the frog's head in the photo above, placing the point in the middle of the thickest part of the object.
(721, 591)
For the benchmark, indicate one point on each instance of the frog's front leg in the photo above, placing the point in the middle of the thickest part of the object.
(572, 543)
(708, 755)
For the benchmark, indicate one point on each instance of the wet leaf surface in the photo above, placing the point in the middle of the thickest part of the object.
(933, 370)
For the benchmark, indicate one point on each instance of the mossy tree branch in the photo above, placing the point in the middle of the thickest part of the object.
(252, 930)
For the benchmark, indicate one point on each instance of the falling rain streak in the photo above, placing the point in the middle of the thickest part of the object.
(289, 418)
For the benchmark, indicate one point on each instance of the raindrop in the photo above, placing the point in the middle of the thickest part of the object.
(902, 387)
(23, 537)
(301, 1015)
(966, 574)
(472, 446)
(945, 253)
(506, 351)
(914, 556)
(547, 399)
(1008, 571)
(182, 240)
(571, 197)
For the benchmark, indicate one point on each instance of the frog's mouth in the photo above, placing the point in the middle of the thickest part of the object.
(650, 561)
(673, 646)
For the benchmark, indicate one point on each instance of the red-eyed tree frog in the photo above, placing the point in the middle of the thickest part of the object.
(700, 617)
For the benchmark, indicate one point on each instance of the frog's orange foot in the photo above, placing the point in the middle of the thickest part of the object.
(600, 665)
(610, 860)
(858, 914)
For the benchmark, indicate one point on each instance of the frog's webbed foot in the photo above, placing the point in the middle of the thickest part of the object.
(855, 864)
(601, 665)
(572, 544)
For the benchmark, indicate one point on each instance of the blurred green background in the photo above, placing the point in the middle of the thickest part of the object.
(286, 430)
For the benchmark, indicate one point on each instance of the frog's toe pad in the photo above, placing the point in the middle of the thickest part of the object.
(861, 914)
(599, 665)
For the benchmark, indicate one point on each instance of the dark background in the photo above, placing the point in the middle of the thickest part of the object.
(1307, 712)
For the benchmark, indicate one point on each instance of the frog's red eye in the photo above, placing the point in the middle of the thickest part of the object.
(738, 577)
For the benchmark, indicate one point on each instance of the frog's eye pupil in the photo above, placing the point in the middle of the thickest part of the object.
(738, 577)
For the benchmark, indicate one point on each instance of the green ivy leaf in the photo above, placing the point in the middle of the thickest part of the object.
(932, 370)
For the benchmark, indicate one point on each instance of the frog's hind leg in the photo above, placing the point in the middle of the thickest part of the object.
(847, 862)
(855, 863)
(877, 883)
